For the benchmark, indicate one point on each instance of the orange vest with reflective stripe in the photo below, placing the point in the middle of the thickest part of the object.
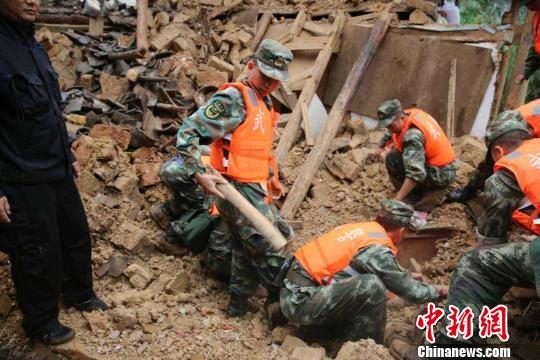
(524, 163)
(531, 113)
(536, 31)
(439, 152)
(250, 147)
(325, 256)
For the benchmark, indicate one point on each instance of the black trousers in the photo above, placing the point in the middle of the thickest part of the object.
(48, 242)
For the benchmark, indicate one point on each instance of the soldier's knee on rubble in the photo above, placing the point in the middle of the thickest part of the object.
(172, 172)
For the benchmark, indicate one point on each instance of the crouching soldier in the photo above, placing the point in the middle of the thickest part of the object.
(513, 191)
(423, 160)
(531, 114)
(342, 276)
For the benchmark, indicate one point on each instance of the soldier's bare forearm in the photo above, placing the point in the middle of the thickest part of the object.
(406, 188)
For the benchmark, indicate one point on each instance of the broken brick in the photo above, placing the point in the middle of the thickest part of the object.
(120, 136)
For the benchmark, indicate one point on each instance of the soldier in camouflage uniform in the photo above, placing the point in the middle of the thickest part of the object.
(408, 170)
(253, 261)
(502, 191)
(532, 63)
(356, 296)
(483, 276)
(190, 206)
(485, 169)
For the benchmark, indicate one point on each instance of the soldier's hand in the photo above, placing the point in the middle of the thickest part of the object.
(5, 211)
(277, 189)
(520, 79)
(208, 182)
(442, 289)
(417, 276)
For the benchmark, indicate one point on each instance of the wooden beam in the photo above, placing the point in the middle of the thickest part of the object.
(323, 58)
(262, 26)
(142, 26)
(516, 93)
(451, 110)
(313, 43)
(96, 26)
(315, 29)
(289, 95)
(292, 82)
(305, 122)
(318, 154)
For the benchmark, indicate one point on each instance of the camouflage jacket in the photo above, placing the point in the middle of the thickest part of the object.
(379, 260)
(220, 116)
(414, 158)
(532, 63)
(503, 196)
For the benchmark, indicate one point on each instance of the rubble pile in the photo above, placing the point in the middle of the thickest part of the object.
(124, 111)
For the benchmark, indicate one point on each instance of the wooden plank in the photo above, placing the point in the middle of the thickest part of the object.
(315, 29)
(298, 24)
(314, 43)
(305, 122)
(517, 91)
(289, 95)
(318, 154)
(142, 26)
(96, 26)
(323, 58)
(262, 26)
(451, 110)
(299, 77)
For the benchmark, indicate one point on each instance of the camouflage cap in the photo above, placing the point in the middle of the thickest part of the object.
(273, 59)
(396, 212)
(387, 112)
(505, 122)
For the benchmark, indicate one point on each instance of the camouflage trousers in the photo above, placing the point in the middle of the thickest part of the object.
(253, 261)
(482, 172)
(533, 88)
(355, 305)
(188, 196)
(483, 276)
(436, 178)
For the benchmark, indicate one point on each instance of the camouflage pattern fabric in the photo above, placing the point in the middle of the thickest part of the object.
(533, 88)
(483, 276)
(532, 63)
(503, 196)
(412, 164)
(482, 172)
(396, 212)
(223, 113)
(273, 59)
(188, 196)
(386, 113)
(253, 261)
(507, 121)
(356, 297)
(386, 138)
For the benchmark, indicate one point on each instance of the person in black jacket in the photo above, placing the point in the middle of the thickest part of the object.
(43, 224)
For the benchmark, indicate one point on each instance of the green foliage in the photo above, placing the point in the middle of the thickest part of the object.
(482, 11)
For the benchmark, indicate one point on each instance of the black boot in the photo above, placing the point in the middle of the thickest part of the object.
(54, 335)
(92, 304)
(239, 305)
(461, 195)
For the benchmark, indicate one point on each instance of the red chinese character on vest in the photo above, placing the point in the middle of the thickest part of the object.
(427, 322)
(494, 322)
(460, 323)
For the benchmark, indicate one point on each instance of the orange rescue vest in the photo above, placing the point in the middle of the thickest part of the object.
(325, 256)
(439, 152)
(531, 113)
(536, 31)
(524, 163)
(249, 149)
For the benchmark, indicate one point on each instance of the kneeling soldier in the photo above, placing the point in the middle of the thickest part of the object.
(342, 276)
